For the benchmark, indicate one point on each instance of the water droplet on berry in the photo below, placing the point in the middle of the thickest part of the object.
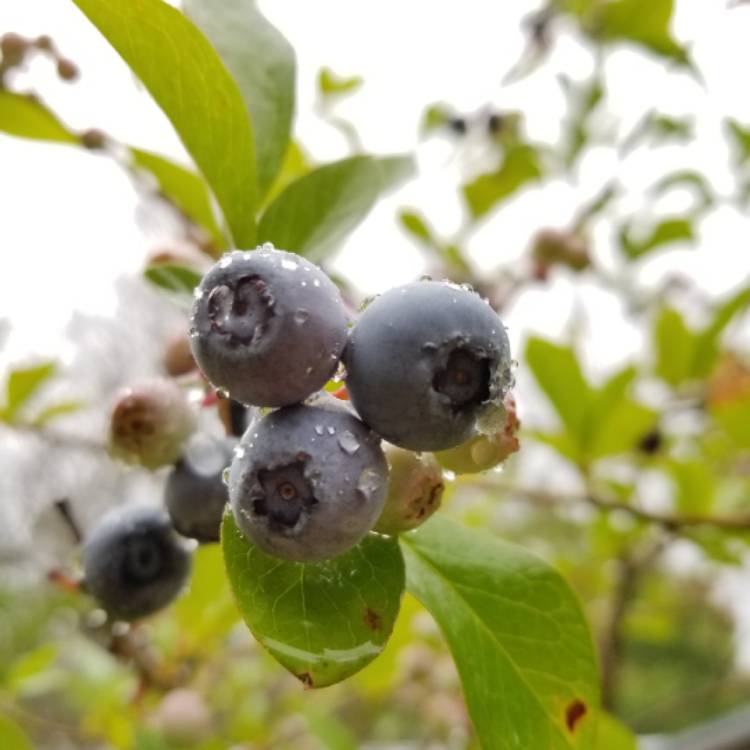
(301, 317)
(290, 265)
(331, 430)
(268, 247)
(448, 475)
(319, 429)
(349, 444)
(225, 476)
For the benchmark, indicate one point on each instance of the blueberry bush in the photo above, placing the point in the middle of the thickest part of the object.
(390, 522)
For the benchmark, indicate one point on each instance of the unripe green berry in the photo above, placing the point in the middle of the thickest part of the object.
(415, 489)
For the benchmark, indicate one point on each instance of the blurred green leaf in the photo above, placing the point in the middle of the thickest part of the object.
(687, 178)
(416, 226)
(206, 612)
(262, 62)
(615, 422)
(22, 384)
(559, 375)
(330, 731)
(664, 233)
(583, 99)
(313, 215)
(520, 165)
(322, 621)
(31, 664)
(435, 116)
(12, 737)
(294, 166)
(25, 116)
(516, 632)
(740, 136)
(707, 342)
(593, 208)
(185, 188)
(674, 344)
(173, 278)
(695, 484)
(612, 734)
(734, 418)
(658, 128)
(332, 84)
(59, 409)
(644, 22)
(183, 73)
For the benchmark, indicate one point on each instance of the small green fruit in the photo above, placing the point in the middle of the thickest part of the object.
(415, 488)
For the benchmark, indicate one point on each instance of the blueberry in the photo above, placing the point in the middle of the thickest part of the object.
(195, 493)
(134, 564)
(268, 327)
(415, 488)
(308, 482)
(426, 362)
(150, 423)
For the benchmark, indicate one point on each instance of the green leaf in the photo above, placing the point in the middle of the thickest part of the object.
(206, 612)
(22, 384)
(521, 165)
(674, 344)
(59, 409)
(612, 734)
(687, 178)
(706, 348)
(583, 99)
(322, 621)
(332, 84)
(593, 208)
(658, 128)
(12, 737)
(262, 62)
(664, 233)
(183, 73)
(416, 226)
(26, 117)
(734, 418)
(695, 485)
(615, 422)
(184, 188)
(559, 375)
(313, 215)
(645, 22)
(516, 632)
(173, 278)
(740, 136)
(294, 166)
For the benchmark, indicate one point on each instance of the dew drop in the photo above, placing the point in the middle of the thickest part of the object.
(268, 247)
(226, 261)
(301, 317)
(319, 429)
(290, 265)
(225, 476)
(222, 393)
(331, 430)
(349, 444)
(368, 483)
(316, 282)
(239, 452)
(198, 293)
(448, 475)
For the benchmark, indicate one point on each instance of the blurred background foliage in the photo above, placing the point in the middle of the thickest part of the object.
(649, 514)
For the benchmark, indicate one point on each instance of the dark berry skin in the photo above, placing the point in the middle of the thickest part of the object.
(268, 327)
(195, 494)
(308, 482)
(134, 564)
(424, 362)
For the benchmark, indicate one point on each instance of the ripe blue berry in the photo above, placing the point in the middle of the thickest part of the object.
(268, 327)
(195, 493)
(425, 362)
(307, 482)
(134, 564)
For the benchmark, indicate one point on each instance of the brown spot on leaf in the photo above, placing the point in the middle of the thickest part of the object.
(372, 619)
(306, 679)
(574, 713)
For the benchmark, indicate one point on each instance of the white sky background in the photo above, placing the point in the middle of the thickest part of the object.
(68, 219)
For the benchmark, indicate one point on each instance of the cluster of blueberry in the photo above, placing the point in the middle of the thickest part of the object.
(427, 368)
(424, 364)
